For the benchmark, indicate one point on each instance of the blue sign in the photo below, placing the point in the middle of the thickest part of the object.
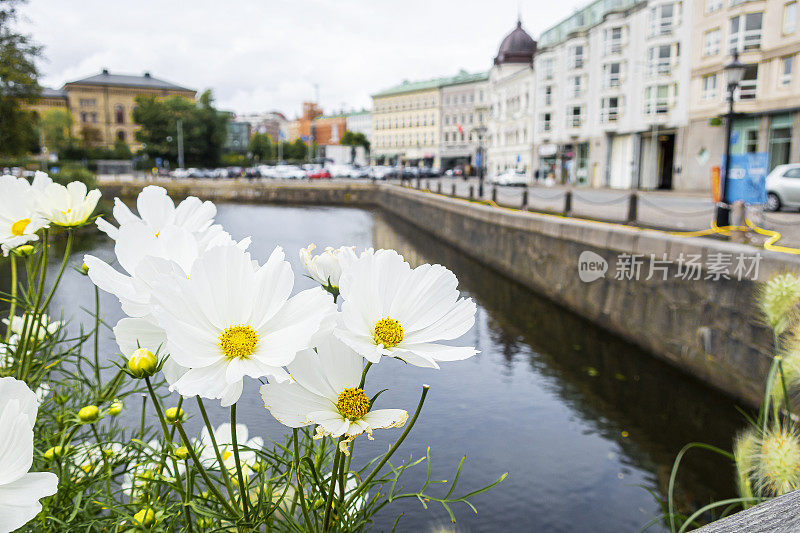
(304, 138)
(747, 180)
(158, 161)
(478, 159)
(735, 137)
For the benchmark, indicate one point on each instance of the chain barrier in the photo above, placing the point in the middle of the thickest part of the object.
(558, 194)
(613, 201)
(673, 212)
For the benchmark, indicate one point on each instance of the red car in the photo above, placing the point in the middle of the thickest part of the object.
(319, 174)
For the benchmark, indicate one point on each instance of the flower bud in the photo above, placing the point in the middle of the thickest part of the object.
(85, 269)
(182, 453)
(89, 414)
(53, 453)
(142, 363)
(145, 518)
(115, 408)
(24, 250)
(173, 414)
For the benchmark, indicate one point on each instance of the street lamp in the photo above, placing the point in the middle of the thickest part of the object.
(480, 131)
(734, 72)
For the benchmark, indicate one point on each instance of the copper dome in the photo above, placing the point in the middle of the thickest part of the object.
(517, 47)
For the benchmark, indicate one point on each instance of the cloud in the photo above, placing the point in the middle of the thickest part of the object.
(260, 56)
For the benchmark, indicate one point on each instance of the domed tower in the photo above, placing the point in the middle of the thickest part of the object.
(517, 47)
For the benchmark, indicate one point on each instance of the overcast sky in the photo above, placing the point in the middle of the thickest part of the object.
(260, 55)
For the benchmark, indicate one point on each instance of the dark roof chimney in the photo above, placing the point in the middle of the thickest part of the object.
(146, 74)
(105, 72)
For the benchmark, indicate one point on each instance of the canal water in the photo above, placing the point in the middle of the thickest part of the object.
(586, 424)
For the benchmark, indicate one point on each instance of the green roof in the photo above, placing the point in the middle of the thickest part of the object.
(582, 19)
(435, 83)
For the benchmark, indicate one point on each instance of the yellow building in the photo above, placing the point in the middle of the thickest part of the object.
(102, 105)
(405, 122)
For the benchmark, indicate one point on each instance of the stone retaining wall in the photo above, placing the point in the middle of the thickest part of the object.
(708, 328)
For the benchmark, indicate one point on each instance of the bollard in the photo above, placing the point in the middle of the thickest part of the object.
(453, 193)
(633, 208)
(567, 203)
(524, 205)
(439, 187)
(494, 194)
(419, 183)
(480, 189)
(738, 213)
(471, 192)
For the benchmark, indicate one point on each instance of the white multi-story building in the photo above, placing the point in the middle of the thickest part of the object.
(611, 82)
(464, 109)
(511, 105)
(270, 123)
(360, 122)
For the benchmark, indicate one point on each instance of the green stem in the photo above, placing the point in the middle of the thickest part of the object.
(364, 484)
(220, 462)
(167, 448)
(105, 461)
(21, 353)
(12, 308)
(296, 460)
(97, 337)
(239, 473)
(209, 484)
(329, 499)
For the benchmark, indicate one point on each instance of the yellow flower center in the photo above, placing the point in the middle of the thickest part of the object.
(18, 227)
(238, 341)
(388, 332)
(353, 403)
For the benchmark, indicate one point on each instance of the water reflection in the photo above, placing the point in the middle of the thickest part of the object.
(578, 417)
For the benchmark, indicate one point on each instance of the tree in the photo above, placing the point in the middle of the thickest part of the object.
(18, 83)
(260, 146)
(296, 150)
(355, 138)
(56, 129)
(204, 128)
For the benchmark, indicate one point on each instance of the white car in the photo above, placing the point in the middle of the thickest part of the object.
(511, 177)
(290, 172)
(783, 187)
(179, 173)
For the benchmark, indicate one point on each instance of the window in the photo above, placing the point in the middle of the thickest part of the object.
(710, 87)
(546, 122)
(88, 102)
(789, 18)
(576, 56)
(576, 85)
(548, 94)
(780, 144)
(611, 75)
(656, 100)
(609, 111)
(93, 117)
(659, 60)
(746, 32)
(786, 71)
(711, 42)
(84, 116)
(751, 141)
(713, 5)
(547, 68)
(661, 19)
(749, 84)
(119, 115)
(612, 37)
(574, 116)
(121, 136)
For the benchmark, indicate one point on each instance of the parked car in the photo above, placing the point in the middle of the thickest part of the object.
(290, 172)
(235, 172)
(359, 172)
(339, 171)
(511, 177)
(321, 173)
(382, 172)
(429, 172)
(783, 187)
(252, 172)
(180, 173)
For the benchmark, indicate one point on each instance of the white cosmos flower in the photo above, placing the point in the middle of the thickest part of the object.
(231, 318)
(391, 309)
(20, 490)
(326, 268)
(46, 326)
(325, 390)
(68, 206)
(157, 211)
(19, 217)
(224, 437)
